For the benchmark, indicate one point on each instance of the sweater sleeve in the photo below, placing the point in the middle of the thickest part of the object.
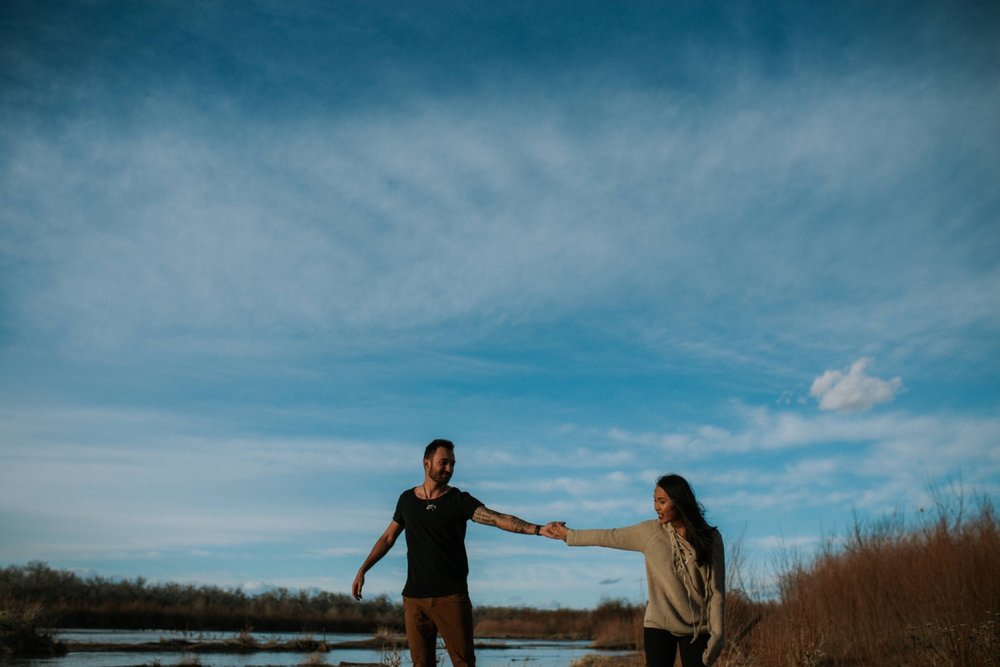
(717, 604)
(630, 538)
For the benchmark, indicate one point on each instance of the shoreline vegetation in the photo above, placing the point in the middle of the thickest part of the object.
(892, 592)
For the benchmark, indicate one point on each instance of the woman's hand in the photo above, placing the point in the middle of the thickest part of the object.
(556, 530)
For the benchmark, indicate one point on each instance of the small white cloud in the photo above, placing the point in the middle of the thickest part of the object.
(853, 391)
(255, 587)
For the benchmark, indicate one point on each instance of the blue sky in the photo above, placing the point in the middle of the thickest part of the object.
(255, 255)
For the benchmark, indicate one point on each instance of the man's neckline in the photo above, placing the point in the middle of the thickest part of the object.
(420, 488)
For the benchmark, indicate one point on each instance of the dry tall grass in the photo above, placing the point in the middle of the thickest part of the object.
(888, 595)
(612, 624)
(21, 633)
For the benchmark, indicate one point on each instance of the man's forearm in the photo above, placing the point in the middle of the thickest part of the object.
(513, 524)
(508, 522)
(380, 549)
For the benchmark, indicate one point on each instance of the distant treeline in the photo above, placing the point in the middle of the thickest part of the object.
(67, 600)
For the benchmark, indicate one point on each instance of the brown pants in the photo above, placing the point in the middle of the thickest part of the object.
(450, 615)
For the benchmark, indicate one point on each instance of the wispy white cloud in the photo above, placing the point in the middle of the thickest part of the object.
(472, 212)
(892, 456)
(118, 442)
(133, 480)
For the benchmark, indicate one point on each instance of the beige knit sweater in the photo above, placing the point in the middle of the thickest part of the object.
(684, 598)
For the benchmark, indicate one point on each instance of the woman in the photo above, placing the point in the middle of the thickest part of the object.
(686, 571)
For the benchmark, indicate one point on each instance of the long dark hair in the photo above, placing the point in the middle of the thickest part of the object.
(699, 534)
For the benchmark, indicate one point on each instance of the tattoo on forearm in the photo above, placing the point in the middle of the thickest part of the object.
(485, 516)
(488, 517)
(519, 525)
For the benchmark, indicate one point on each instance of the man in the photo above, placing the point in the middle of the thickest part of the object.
(436, 594)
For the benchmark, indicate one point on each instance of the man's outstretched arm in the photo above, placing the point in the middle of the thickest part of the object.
(381, 548)
(511, 523)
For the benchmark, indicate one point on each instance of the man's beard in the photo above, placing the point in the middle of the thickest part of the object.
(440, 477)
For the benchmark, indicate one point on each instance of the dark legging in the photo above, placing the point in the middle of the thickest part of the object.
(662, 647)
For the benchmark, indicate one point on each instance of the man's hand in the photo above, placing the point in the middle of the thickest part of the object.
(381, 548)
(359, 583)
(555, 530)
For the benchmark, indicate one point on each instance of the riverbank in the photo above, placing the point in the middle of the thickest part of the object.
(153, 648)
(249, 644)
(235, 645)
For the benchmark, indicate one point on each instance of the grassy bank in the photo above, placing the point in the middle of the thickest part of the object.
(891, 593)
(22, 633)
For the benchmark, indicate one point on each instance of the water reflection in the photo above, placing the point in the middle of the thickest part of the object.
(494, 653)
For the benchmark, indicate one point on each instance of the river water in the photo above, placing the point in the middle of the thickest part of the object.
(499, 653)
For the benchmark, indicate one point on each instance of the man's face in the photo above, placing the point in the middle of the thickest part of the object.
(441, 466)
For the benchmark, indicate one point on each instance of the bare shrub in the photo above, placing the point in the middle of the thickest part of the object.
(19, 631)
(314, 660)
(635, 660)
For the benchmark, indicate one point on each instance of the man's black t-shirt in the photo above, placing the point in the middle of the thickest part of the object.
(436, 562)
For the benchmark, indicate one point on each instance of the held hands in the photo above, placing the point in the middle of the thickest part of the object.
(555, 530)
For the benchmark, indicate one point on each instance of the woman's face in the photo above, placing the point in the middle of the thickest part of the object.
(664, 507)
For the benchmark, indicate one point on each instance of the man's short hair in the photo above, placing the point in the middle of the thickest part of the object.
(435, 445)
